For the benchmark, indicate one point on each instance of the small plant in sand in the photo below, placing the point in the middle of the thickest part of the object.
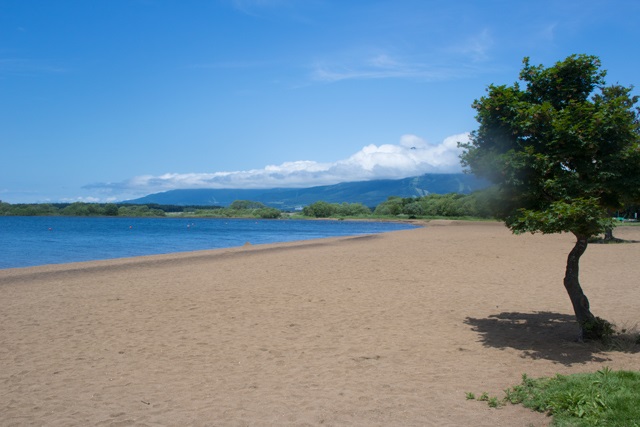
(625, 339)
(492, 401)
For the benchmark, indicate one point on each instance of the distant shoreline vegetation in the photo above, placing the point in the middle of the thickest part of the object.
(477, 205)
(474, 205)
(239, 209)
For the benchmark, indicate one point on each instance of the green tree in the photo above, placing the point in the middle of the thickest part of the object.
(76, 209)
(414, 209)
(267, 213)
(140, 210)
(111, 209)
(352, 209)
(320, 209)
(392, 206)
(445, 204)
(562, 150)
(246, 204)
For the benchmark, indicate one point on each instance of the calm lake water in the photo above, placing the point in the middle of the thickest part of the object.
(31, 241)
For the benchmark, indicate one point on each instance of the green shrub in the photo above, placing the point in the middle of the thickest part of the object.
(604, 398)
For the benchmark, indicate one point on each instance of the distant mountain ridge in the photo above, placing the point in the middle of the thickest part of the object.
(369, 193)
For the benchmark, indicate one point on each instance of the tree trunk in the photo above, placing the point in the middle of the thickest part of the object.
(586, 320)
(608, 234)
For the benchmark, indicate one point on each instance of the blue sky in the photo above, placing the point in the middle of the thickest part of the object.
(106, 100)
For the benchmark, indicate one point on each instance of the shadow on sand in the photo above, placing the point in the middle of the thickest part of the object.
(539, 335)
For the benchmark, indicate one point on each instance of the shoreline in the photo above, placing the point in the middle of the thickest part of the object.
(173, 257)
(389, 329)
(158, 237)
(419, 223)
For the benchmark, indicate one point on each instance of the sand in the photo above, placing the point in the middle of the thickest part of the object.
(382, 330)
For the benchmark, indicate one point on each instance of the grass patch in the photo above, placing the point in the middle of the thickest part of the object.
(604, 398)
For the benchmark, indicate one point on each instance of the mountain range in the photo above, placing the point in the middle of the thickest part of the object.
(369, 193)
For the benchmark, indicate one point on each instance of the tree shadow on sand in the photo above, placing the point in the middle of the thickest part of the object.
(538, 335)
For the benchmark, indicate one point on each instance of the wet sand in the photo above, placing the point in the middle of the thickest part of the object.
(381, 330)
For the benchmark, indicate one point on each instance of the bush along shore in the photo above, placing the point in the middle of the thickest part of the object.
(434, 205)
(477, 205)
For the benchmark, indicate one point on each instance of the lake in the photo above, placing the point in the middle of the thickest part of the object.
(32, 241)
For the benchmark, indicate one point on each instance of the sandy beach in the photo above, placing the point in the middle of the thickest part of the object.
(381, 330)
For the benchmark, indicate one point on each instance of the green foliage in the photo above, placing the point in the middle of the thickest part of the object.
(267, 213)
(393, 206)
(212, 213)
(493, 402)
(245, 205)
(605, 398)
(323, 209)
(582, 216)
(239, 209)
(7, 209)
(78, 209)
(110, 209)
(438, 205)
(562, 151)
(140, 211)
(320, 209)
(352, 209)
(599, 327)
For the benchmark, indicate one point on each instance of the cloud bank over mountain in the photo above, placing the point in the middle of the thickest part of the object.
(411, 156)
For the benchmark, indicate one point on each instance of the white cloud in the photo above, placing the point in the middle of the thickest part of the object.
(379, 66)
(88, 199)
(450, 62)
(476, 47)
(412, 156)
